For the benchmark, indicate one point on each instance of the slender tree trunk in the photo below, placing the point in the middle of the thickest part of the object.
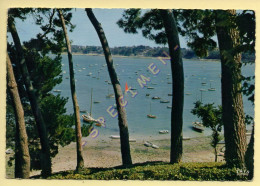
(80, 160)
(177, 85)
(22, 156)
(45, 149)
(216, 154)
(232, 102)
(122, 119)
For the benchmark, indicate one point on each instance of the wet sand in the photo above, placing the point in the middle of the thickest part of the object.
(105, 152)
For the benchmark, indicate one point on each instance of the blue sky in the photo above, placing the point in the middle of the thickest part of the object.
(84, 33)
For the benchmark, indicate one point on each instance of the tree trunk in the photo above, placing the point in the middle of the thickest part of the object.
(177, 85)
(122, 119)
(216, 154)
(80, 160)
(22, 156)
(232, 102)
(45, 149)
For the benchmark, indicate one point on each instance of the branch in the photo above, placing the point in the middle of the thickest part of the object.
(50, 25)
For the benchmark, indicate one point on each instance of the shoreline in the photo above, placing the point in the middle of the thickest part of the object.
(105, 153)
(140, 57)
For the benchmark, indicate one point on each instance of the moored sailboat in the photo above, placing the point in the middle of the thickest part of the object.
(150, 115)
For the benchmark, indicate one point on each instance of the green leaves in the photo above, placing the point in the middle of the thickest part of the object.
(159, 171)
(211, 118)
(148, 21)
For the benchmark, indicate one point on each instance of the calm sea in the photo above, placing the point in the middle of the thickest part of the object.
(91, 73)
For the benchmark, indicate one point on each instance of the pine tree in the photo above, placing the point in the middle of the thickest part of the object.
(122, 119)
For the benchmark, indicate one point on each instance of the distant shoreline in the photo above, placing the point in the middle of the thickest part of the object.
(140, 57)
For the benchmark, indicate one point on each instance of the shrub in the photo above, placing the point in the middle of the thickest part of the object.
(159, 171)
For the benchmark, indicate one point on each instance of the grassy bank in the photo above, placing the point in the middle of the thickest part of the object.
(157, 171)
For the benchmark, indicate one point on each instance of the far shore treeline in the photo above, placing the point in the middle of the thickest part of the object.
(147, 51)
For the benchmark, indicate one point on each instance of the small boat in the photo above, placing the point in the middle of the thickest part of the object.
(164, 101)
(156, 97)
(169, 107)
(96, 102)
(163, 132)
(83, 111)
(185, 138)
(148, 144)
(147, 95)
(110, 95)
(203, 83)
(169, 94)
(56, 90)
(155, 146)
(150, 115)
(198, 126)
(211, 89)
(118, 137)
(169, 82)
(150, 87)
(132, 88)
(89, 119)
(188, 93)
(115, 137)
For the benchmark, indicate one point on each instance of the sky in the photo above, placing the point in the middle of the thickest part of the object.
(84, 34)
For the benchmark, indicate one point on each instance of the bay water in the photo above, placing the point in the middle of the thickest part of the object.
(91, 73)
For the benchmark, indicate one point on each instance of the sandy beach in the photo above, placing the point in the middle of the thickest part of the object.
(105, 152)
